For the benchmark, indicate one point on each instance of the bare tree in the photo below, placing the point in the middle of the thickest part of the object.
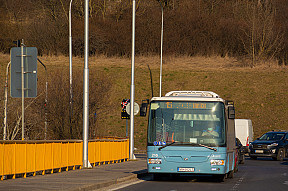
(261, 40)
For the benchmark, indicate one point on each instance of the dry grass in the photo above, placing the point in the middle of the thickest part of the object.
(169, 62)
(260, 93)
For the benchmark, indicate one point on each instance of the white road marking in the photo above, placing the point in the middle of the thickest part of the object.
(237, 184)
(126, 185)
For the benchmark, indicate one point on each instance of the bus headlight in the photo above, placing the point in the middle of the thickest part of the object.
(216, 162)
(154, 161)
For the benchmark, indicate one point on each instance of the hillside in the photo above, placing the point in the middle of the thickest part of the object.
(251, 29)
(259, 93)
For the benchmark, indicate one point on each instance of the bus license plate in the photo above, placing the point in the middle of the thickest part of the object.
(185, 169)
(258, 151)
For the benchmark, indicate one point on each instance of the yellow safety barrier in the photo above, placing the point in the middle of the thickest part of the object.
(23, 157)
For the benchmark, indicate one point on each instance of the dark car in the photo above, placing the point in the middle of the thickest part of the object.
(271, 144)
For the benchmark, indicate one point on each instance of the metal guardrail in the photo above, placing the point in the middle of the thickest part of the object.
(33, 157)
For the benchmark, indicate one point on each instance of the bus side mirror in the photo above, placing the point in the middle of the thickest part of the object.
(231, 112)
(143, 108)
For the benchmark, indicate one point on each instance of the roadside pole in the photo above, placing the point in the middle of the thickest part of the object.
(23, 75)
(22, 82)
(70, 68)
(131, 153)
(126, 128)
(5, 102)
(161, 50)
(46, 98)
(86, 89)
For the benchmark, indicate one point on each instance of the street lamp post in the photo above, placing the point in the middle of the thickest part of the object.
(70, 67)
(22, 87)
(131, 153)
(162, 26)
(86, 89)
(162, 4)
(5, 102)
(46, 98)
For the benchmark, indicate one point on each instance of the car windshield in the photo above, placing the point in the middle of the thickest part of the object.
(272, 136)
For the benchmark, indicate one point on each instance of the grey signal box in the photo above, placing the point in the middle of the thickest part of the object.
(30, 72)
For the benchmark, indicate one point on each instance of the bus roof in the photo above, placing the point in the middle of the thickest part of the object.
(189, 96)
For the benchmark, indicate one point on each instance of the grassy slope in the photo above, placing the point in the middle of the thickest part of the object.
(260, 93)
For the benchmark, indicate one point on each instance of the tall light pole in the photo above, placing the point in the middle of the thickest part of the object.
(5, 102)
(162, 26)
(86, 89)
(70, 67)
(22, 85)
(162, 4)
(131, 153)
(46, 99)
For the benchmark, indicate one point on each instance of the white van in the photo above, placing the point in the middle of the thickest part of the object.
(244, 132)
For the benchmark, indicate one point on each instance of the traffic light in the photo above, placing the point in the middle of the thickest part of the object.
(124, 114)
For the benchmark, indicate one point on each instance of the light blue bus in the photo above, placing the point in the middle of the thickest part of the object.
(191, 133)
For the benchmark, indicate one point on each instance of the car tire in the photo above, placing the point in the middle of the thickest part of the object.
(280, 154)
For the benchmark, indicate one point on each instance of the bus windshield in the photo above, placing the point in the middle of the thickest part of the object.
(186, 123)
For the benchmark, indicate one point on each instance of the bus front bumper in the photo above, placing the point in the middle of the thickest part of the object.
(187, 168)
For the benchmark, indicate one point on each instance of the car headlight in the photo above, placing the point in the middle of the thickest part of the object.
(154, 161)
(216, 162)
(273, 145)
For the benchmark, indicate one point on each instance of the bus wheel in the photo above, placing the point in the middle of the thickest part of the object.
(230, 174)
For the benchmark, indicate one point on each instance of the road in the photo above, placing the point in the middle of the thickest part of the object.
(261, 174)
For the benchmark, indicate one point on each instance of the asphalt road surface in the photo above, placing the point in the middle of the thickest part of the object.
(261, 174)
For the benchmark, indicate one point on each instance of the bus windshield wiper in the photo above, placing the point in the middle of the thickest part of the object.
(205, 146)
(166, 145)
(188, 143)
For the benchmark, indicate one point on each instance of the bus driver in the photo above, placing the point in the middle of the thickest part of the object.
(210, 132)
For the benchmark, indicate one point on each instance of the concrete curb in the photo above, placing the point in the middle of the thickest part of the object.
(110, 182)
